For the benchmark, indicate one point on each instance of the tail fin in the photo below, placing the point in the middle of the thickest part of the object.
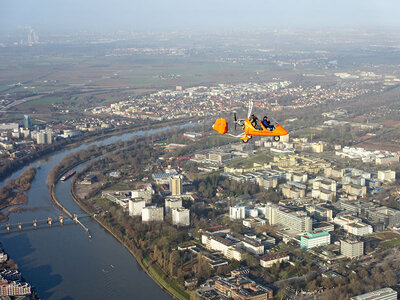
(221, 126)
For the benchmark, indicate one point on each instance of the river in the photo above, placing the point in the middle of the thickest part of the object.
(62, 262)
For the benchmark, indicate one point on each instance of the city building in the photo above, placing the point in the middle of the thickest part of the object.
(294, 190)
(360, 229)
(146, 193)
(318, 147)
(352, 248)
(315, 239)
(41, 138)
(27, 122)
(175, 185)
(152, 214)
(353, 225)
(323, 226)
(89, 179)
(387, 175)
(11, 275)
(386, 160)
(386, 216)
(135, 206)
(172, 202)
(320, 213)
(180, 216)
(249, 244)
(295, 220)
(163, 178)
(237, 212)
(269, 260)
(13, 288)
(253, 222)
(382, 294)
(242, 288)
(219, 242)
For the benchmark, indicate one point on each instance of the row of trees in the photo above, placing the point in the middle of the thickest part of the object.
(207, 187)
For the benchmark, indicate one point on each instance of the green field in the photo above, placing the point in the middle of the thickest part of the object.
(249, 162)
(45, 100)
(391, 244)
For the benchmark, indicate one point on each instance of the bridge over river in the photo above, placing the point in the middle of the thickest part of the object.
(44, 223)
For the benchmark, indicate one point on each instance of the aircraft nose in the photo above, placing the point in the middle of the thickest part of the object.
(280, 130)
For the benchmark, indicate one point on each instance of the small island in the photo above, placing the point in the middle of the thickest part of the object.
(14, 192)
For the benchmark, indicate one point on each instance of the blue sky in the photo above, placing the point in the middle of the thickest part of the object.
(202, 14)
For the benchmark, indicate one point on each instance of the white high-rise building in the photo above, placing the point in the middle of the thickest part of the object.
(171, 203)
(352, 248)
(237, 212)
(41, 138)
(181, 216)
(152, 214)
(136, 206)
(145, 193)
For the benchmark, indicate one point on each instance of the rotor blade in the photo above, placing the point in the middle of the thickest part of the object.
(250, 108)
(234, 116)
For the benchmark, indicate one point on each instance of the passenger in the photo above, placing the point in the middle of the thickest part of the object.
(267, 123)
(254, 121)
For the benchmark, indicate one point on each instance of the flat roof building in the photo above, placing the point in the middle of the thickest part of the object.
(382, 294)
(180, 216)
(352, 248)
(152, 214)
(316, 239)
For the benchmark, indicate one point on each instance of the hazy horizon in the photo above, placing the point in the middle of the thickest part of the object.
(58, 15)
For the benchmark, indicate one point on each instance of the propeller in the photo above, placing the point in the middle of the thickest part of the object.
(235, 118)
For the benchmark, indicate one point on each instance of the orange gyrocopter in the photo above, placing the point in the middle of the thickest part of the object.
(276, 131)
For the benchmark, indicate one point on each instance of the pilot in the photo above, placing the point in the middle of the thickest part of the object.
(267, 123)
(254, 120)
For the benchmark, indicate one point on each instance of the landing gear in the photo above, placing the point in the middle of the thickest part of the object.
(277, 138)
(245, 139)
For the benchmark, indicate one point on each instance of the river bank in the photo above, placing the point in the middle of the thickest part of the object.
(16, 165)
(155, 274)
(61, 262)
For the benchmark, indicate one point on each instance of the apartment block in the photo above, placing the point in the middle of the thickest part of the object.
(181, 216)
(152, 214)
(352, 248)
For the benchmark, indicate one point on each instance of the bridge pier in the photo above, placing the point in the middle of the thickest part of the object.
(19, 226)
(49, 220)
(8, 227)
(76, 218)
(34, 224)
(61, 218)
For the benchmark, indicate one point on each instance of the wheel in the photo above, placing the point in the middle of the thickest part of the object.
(245, 141)
(277, 138)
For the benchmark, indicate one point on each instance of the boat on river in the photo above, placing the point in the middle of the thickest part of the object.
(67, 176)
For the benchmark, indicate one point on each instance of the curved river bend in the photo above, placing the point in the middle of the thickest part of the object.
(63, 263)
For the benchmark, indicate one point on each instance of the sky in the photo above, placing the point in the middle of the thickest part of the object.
(167, 15)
